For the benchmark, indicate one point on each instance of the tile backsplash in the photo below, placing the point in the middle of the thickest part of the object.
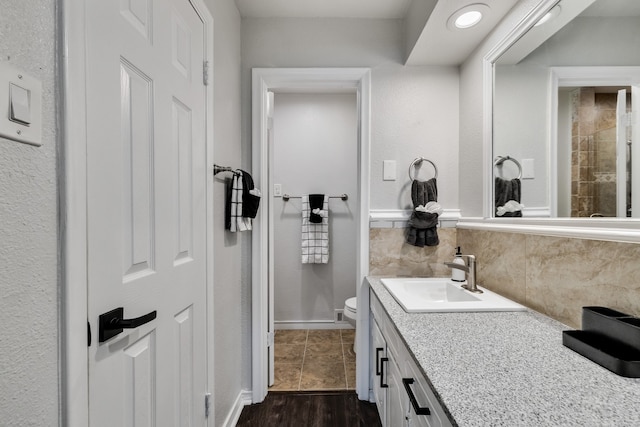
(553, 275)
(557, 276)
(389, 254)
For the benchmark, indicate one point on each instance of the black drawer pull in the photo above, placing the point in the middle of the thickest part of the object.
(419, 410)
(382, 384)
(378, 350)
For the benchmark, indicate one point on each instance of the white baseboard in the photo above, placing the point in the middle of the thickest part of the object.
(243, 399)
(311, 324)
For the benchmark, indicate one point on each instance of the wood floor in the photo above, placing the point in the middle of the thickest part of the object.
(310, 409)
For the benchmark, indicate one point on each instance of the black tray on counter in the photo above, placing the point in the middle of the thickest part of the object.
(609, 338)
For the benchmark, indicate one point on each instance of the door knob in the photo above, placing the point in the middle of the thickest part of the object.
(112, 323)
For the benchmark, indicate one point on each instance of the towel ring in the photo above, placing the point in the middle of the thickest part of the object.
(501, 159)
(417, 162)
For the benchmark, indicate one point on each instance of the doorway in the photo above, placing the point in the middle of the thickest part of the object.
(314, 146)
(273, 80)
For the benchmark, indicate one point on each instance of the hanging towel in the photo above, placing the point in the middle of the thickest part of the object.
(250, 196)
(315, 236)
(234, 220)
(316, 206)
(507, 197)
(422, 230)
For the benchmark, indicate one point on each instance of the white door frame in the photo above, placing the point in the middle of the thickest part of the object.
(319, 80)
(73, 314)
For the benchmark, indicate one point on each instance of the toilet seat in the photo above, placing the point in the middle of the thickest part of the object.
(350, 308)
(351, 304)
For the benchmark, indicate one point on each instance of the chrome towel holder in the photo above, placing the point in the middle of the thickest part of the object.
(286, 197)
(417, 162)
(501, 159)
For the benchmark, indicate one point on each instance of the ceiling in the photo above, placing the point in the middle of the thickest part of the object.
(371, 9)
(429, 41)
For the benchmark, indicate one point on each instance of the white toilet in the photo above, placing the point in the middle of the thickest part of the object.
(349, 313)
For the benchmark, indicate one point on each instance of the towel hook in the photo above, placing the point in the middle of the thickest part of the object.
(417, 161)
(501, 159)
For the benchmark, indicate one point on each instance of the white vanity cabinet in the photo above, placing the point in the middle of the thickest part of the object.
(402, 394)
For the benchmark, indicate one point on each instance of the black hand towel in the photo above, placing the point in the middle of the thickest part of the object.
(422, 230)
(505, 190)
(316, 201)
(250, 202)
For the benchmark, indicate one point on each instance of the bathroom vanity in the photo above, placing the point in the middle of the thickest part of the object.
(487, 368)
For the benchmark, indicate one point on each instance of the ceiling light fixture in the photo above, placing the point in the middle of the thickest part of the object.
(467, 17)
(549, 16)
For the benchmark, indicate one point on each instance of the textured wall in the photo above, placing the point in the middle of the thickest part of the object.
(28, 231)
(557, 276)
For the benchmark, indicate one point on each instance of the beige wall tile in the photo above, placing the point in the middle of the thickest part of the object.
(563, 275)
(500, 261)
(389, 254)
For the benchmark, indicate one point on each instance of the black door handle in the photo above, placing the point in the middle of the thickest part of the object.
(112, 323)
(420, 410)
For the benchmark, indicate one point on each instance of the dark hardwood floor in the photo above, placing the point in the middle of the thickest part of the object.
(310, 409)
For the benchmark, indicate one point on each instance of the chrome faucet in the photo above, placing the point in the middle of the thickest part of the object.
(470, 271)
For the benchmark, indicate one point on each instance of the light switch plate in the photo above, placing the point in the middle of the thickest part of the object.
(389, 170)
(527, 169)
(277, 190)
(23, 86)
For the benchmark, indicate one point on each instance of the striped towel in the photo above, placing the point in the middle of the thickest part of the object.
(238, 222)
(315, 237)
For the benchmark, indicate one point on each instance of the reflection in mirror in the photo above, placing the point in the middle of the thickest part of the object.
(558, 111)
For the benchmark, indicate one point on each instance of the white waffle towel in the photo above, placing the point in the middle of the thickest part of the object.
(315, 236)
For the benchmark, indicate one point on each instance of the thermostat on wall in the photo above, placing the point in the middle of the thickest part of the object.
(20, 106)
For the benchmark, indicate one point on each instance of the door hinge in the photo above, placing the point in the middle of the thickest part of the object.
(270, 339)
(207, 404)
(205, 73)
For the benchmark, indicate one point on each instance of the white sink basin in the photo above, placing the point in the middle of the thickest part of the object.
(418, 295)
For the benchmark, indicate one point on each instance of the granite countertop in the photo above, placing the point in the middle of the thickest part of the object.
(511, 369)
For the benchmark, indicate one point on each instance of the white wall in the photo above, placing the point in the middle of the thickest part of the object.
(28, 231)
(231, 267)
(414, 110)
(315, 150)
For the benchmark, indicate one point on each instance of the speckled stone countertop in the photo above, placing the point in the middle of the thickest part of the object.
(511, 369)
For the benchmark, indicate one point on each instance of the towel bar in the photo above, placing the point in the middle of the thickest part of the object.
(286, 197)
(501, 159)
(217, 169)
(417, 161)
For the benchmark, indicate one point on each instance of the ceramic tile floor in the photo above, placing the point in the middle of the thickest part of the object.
(314, 359)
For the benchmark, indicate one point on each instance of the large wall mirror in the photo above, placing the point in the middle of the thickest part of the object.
(566, 114)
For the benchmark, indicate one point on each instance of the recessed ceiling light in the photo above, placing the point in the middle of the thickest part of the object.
(467, 17)
(549, 16)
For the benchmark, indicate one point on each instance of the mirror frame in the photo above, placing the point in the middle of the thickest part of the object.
(617, 230)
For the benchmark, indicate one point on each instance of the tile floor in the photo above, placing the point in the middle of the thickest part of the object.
(314, 359)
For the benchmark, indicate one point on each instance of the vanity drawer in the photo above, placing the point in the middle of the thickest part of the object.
(424, 397)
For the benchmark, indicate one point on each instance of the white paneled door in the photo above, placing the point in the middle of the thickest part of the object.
(146, 213)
